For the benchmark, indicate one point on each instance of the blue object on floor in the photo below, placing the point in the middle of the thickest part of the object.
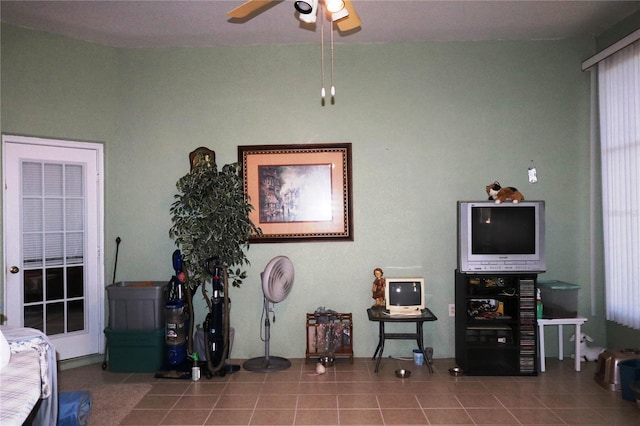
(629, 373)
(74, 408)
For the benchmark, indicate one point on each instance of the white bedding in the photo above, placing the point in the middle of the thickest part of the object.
(19, 387)
(36, 358)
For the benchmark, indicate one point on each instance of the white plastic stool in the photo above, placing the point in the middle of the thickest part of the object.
(577, 322)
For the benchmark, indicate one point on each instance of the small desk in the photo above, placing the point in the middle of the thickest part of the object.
(577, 322)
(379, 316)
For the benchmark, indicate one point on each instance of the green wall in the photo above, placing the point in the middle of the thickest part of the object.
(430, 123)
(57, 87)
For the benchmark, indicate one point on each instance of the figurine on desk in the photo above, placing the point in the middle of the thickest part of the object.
(377, 288)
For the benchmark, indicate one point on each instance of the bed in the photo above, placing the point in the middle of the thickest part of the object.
(28, 383)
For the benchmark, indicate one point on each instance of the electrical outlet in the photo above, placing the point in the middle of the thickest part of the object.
(452, 310)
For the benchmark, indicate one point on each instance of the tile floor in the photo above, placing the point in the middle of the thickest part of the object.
(352, 394)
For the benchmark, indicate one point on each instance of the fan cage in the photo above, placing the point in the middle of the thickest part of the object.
(277, 279)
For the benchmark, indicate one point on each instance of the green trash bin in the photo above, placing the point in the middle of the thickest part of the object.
(629, 374)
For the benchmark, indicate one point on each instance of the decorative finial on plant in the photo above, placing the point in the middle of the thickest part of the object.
(201, 157)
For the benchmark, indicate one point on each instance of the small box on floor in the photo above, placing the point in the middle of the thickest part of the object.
(559, 299)
(135, 351)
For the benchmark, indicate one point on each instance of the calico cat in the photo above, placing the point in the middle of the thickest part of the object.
(500, 194)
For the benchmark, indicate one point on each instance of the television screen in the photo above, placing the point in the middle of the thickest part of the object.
(404, 295)
(507, 230)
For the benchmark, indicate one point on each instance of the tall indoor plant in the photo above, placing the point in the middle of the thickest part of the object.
(210, 219)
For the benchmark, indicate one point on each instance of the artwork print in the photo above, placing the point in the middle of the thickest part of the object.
(296, 193)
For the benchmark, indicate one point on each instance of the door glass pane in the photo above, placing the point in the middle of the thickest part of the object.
(32, 247)
(33, 317)
(33, 290)
(74, 215)
(53, 182)
(32, 216)
(54, 249)
(74, 181)
(31, 179)
(53, 221)
(75, 282)
(55, 318)
(55, 287)
(75, 315)
(75, 248)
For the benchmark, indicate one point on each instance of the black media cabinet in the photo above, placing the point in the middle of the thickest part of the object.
(496, 328)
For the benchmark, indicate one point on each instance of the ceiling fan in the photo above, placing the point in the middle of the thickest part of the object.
(345, 15)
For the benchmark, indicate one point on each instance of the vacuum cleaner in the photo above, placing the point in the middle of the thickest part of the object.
(176, 318)
(216, 324)
(177, 326)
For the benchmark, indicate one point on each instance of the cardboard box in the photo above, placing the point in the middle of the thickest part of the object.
(136, 305)
(559, 299)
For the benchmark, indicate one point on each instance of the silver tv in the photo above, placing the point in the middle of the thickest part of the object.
(505, 237)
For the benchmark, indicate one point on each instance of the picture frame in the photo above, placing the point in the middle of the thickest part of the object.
(300, 192)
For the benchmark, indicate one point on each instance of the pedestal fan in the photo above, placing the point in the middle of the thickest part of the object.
(277, 280)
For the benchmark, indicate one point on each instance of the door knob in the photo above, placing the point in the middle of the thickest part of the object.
(14, 269)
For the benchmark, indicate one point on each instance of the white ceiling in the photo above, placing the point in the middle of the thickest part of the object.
(149, 23)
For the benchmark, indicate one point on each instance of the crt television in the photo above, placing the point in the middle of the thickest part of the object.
(404, 296)
(506, 237)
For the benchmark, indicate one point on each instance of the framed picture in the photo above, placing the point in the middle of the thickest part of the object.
(299, 192)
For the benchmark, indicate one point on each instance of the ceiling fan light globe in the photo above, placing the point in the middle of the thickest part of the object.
(334, 6)
(338, 15)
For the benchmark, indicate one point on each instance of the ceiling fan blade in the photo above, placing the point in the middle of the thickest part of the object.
(249, 7)
(352, 21)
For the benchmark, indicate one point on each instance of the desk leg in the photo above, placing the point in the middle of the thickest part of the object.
(380, 347)
(541, 347)
(428, 355)
(578, 356)
(560, 342)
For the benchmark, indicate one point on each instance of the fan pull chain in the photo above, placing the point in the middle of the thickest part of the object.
(333, 88)
(322, 91)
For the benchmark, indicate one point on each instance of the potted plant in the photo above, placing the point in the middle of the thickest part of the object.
(210, 220)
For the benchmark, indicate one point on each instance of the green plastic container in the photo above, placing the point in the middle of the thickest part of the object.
(135, 351)
(559, 299)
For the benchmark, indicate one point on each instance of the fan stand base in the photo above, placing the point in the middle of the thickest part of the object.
(262, 365)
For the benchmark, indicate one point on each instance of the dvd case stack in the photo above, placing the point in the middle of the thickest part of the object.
(527, 326)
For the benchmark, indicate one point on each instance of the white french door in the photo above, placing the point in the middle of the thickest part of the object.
(53, 222)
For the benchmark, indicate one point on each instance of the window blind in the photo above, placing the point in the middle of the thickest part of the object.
(619, 92)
